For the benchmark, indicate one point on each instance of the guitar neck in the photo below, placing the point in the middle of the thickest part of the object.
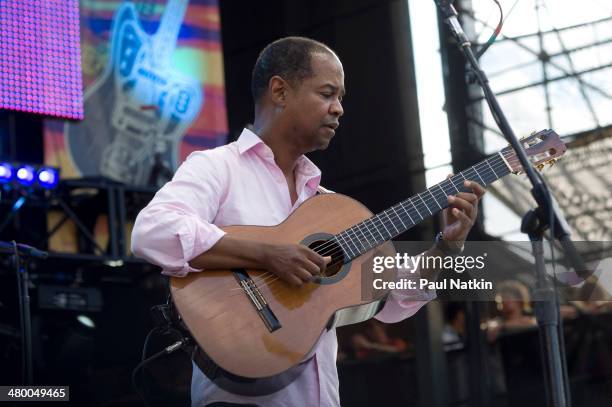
(166, 36)
(397, 219)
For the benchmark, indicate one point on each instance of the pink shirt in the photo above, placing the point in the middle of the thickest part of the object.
(240, 184)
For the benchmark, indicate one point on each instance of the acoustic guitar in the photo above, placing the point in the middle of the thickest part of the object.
(254, 325)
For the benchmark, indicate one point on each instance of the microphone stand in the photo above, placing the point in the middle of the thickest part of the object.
(546, 215)
(20, 255)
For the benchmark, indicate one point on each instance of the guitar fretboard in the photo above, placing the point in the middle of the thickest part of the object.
(397, 219)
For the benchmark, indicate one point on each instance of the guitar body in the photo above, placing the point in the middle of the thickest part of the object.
(225, 323)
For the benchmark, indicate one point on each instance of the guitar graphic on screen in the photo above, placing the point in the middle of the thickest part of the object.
(140, 107)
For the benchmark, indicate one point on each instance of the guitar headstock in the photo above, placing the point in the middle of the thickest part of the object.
(543, 147)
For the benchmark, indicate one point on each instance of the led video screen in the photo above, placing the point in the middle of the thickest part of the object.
(40, 58)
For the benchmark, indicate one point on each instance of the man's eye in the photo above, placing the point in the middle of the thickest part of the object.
(327, 95)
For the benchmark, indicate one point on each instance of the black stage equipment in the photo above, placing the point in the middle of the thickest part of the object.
(20, 256)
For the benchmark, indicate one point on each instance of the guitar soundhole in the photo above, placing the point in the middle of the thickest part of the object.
(329, 248)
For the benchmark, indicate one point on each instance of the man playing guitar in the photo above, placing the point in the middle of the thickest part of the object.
(297, 86)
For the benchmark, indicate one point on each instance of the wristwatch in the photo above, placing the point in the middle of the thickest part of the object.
(445, 247)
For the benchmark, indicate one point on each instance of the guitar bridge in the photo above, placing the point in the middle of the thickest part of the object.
(257, 299)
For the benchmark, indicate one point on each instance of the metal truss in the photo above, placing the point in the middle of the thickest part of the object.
(545, 58)
(581, 183)
(81, 202)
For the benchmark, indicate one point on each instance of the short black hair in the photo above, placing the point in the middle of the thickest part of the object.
(288, 58)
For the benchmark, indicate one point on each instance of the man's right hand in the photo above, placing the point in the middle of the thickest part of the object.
(293, 263)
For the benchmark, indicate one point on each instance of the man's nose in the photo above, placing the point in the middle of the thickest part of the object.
(336, 108)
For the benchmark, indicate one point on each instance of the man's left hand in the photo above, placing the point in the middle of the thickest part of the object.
(459, 217)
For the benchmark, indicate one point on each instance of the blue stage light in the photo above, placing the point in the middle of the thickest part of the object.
(48, 177)
(25, 175)
(6, 173)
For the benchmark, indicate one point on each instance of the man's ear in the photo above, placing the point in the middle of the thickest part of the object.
(278, 90)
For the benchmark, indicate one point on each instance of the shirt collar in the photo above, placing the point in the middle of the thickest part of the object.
(249, 140)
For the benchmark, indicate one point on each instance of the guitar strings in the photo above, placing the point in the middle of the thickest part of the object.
(269, 278)
(487, 172)
(377, 220)
(352, 241)
(373, 221)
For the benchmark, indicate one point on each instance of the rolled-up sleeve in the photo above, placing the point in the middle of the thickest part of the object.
(404, 303)
(176, 226)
